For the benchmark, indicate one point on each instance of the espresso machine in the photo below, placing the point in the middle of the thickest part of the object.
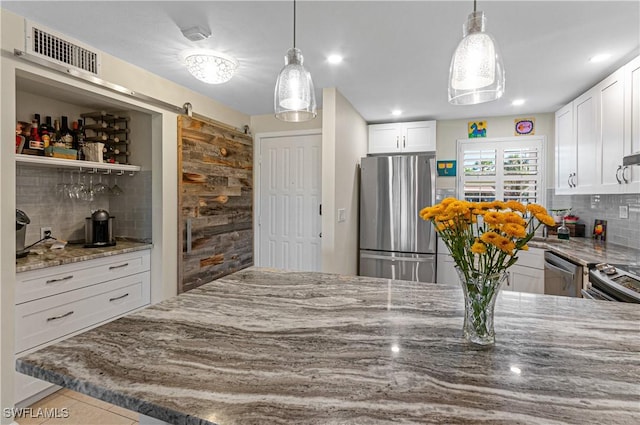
(98, 230)
(21, 230)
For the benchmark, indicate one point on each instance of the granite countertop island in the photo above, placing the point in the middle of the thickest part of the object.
(265, 346)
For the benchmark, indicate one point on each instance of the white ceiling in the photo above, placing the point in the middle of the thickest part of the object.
(396, 53)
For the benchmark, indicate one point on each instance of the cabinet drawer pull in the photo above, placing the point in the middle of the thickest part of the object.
(618, 174)
(118, 267)
(59, 280)
(62, 316)
(404, 141)
(624, 174)
(397, 142)
(118, 298)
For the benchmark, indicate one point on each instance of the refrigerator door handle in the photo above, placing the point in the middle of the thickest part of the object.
(390, 258)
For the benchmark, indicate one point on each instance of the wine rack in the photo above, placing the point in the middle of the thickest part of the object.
(112, 131)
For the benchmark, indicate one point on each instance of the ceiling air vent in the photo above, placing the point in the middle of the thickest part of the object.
(61, 49)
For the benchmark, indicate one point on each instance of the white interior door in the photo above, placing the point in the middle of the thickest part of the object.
(290, 192)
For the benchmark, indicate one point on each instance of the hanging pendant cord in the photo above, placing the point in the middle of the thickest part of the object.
(474, 6)
(294, 23)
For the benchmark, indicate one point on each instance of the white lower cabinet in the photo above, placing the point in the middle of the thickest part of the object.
(62, 301)
(527, 275)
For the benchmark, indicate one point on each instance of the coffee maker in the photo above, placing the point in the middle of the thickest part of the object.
(98, 230)
(21, 230)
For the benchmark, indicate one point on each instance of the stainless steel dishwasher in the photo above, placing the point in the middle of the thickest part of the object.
(561, 276)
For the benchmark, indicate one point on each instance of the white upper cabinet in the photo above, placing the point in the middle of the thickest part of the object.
(565, 150)
(611, 120)
(594, 133)
(419, 136)
(586, 110)
(631, 174)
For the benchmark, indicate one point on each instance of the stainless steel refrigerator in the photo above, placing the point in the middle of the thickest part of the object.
(394, 241)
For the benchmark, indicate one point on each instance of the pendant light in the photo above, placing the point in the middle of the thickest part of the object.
(295, 99)
(476, 74)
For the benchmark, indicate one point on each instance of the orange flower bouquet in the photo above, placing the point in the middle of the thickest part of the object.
(484, 239)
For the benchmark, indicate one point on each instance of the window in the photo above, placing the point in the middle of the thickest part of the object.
(505, 169)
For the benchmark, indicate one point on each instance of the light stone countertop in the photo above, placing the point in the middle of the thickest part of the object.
(265, 346)
(73, 253)
(588, 252)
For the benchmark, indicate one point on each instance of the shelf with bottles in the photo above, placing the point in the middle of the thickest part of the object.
(112, 131)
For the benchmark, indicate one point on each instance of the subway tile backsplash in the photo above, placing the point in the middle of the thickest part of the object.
(41, 194)
(620, 231)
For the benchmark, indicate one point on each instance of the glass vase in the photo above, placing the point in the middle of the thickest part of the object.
(480, 294)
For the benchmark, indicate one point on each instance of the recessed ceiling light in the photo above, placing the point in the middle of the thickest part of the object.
(334, 59)
(599, 58)
(518, 102)
(396, 112)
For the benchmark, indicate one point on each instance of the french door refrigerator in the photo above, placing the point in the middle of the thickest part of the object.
(395, 242)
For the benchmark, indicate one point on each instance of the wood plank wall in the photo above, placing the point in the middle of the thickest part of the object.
(215, 164)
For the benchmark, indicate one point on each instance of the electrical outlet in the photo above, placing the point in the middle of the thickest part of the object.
(45, 232)
(624, 211)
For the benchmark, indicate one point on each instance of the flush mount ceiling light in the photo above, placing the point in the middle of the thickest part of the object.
(518, 102)
(396, 112)
(476, 74)
(210, 66)
(295, 99)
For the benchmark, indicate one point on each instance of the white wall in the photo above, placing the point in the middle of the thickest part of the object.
(344, 142)
(268, 123)
(164, 185)
(448, 132)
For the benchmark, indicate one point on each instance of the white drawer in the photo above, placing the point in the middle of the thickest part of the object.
(42, 283)
(43, 320)
(534, 257)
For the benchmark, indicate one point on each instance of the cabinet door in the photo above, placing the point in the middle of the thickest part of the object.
(526, 279)
(419, 136)
(565, 150)
(445, 271)
(385, 138)
(632, 117)
(611, 94)
(585, 109)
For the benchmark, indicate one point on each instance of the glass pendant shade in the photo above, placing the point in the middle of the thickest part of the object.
(211, 67)
(476, 74)
(295, 98)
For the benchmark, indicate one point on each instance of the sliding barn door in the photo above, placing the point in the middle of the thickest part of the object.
(215, 234)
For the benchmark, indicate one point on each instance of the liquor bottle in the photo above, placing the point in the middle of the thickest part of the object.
(55, 135)
(65, 134)
(35, 142)
(80, 141)
(45, 133)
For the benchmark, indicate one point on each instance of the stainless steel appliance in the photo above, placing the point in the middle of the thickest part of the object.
(561, 276)
(21, 230)
(394, 241)
(614, 283)
(98, 230)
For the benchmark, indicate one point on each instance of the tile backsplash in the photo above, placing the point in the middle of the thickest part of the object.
(620, 231)
(40, 193)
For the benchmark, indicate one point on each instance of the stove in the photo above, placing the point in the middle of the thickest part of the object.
(615, 283)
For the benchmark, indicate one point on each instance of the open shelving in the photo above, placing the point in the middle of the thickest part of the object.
(82, 166)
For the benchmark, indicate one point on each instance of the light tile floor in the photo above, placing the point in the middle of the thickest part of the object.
(82, 410)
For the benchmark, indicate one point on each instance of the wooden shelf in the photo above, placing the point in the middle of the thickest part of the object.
(83, 166)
